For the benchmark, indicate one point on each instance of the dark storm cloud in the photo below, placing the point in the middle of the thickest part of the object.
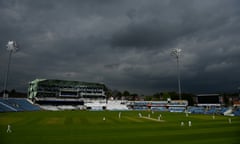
(125, 44)
(162, 26)
(146, 35)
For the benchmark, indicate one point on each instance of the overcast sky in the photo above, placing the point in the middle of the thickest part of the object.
(125, 44)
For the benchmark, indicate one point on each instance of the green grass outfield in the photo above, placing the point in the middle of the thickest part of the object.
(88, 127)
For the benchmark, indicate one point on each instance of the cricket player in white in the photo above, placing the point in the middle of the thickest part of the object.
(140, 115)
(182, 123)
(229, 120)
(213, 117)
(9, 129)
(189, 123)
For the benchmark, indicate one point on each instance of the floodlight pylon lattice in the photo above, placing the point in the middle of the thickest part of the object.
(177, 53)
(11, 47)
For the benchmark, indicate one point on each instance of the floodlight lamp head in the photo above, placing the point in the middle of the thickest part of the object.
(12, 46)
(176, 52)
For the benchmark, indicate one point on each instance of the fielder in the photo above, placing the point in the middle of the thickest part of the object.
(9, 129)
(189, 123)
(229, 120)
(140, 115)
(182, 123)
(119, 115)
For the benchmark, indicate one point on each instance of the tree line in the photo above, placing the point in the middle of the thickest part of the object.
(163, 96)
(126, 95)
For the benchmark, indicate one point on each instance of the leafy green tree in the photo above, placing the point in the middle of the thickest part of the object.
(116, 94)
(157, 96)
(119, 95)
(226, 100)
(148, 98)
(174, 95)
(126, 93)
(165, 95)
(108, 92)
(133, 96)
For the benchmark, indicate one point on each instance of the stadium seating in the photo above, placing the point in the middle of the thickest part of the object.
(237, 112)
(22, 104)
(176, 109)
(16, 104)
(222, 110)
(162, 109)
(212, 110)
(196, 110)
(116, 105)
(4, 108)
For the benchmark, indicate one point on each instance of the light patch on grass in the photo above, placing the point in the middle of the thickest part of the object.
(9, 120)
(153, 119)
(88, 127)
(133, 119)
(208, 117)
(52, 121)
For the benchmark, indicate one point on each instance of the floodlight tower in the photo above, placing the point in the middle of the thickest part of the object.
(239, 93)
(11, 47)
(176, 53)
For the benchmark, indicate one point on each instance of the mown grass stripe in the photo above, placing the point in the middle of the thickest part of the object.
(88, 127)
